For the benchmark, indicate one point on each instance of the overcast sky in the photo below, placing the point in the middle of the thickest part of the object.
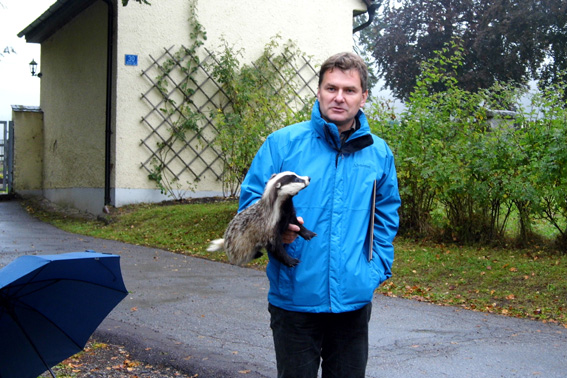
(17, 86)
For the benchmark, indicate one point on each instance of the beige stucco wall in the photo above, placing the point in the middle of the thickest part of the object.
(320, 28)
(73, 93)
(28, 150)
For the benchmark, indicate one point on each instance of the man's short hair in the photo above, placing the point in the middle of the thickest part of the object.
(346, 61)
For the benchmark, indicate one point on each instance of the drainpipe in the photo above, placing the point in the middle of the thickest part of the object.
(371, 10)
(108, 130)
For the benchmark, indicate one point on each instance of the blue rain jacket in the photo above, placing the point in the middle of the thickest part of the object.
(335, 273)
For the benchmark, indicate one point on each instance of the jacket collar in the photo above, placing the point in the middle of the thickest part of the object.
(360, 139)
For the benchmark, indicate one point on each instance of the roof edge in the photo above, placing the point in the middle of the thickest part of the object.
(26, 108)
(53, 19)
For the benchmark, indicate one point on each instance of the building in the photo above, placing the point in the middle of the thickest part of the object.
(98, 104)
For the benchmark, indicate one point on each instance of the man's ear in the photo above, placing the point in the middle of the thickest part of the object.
(364, 97)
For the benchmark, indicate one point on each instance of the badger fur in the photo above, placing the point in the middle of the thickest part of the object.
(261, 225)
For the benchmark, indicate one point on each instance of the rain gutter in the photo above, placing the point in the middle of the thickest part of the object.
(371, 10)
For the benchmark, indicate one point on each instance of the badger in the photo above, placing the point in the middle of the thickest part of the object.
(260, 226)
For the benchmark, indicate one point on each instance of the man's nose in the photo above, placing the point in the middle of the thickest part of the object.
(339, 97)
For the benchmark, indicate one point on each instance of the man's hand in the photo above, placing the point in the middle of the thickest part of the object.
(291, 233)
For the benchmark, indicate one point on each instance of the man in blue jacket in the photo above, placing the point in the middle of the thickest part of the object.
(320, 308)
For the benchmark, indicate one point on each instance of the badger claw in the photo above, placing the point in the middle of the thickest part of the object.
(291, 262)
(307, 235)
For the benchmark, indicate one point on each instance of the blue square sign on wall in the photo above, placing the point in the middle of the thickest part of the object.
(131, 60)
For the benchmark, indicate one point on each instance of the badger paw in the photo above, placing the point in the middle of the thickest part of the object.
(306, 234)
(291, 262)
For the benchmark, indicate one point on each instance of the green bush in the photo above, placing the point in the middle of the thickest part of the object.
(451, 160)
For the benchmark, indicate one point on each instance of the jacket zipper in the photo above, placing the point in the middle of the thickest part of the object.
(339, 154)
(330, 233)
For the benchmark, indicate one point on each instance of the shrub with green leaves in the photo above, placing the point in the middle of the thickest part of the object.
(477, 174)
(548, 135)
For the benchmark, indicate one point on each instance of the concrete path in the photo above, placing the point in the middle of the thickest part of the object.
(211, 318)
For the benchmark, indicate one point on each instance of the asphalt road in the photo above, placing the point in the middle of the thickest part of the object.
(211, 319)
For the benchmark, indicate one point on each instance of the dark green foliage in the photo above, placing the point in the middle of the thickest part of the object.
(508, 41)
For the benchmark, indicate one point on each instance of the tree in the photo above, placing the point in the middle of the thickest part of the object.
(551, 74)
(510, 41)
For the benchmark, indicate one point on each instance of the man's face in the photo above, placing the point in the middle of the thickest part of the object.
(340, 97)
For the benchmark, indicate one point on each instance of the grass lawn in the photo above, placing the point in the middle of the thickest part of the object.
(528, 283)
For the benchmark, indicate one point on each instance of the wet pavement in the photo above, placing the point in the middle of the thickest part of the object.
(211, 318)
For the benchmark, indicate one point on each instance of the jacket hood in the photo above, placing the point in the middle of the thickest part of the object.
(360, 139)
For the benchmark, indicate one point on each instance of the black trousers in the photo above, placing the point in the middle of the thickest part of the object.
(303, 341)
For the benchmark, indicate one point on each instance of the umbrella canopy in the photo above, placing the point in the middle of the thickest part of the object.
(50, 305)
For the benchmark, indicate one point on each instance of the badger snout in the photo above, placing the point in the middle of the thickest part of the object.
(304, 179)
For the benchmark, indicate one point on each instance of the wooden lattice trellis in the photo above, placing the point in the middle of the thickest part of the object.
(194, 155)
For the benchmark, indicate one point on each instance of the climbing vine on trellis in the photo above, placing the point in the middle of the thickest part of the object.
(259, 98)
(209, 116)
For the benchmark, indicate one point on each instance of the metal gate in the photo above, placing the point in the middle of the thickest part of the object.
(6, 156)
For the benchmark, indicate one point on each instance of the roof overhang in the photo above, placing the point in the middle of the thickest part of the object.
(53, 19)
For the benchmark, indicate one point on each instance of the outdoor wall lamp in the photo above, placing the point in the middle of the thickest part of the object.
(33, 68)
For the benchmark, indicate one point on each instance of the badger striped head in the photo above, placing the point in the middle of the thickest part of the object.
(285, 184)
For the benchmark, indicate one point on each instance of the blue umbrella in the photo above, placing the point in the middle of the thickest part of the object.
(50, 305)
